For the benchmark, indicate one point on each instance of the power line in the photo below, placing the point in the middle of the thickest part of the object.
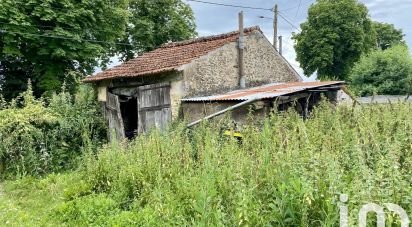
(62, 37)
(296, 6)
(290, 8)
(290, 23)
(297, 11)
(229, 5)
(263, 17)
(289, 44)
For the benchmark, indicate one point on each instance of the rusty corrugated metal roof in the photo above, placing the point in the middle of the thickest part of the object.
(265, 92)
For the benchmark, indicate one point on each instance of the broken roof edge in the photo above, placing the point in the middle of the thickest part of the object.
(267, 91)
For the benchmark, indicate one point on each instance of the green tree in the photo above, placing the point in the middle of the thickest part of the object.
(156, 22)
(383, 72)
(43, 40)
(387, 35)
(46, 40)
(333, 38)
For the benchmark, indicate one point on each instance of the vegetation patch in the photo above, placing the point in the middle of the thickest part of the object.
(287, 172)
(31, 202)
(42, 136)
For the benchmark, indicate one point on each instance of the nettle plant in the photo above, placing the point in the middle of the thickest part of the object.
(285, 172)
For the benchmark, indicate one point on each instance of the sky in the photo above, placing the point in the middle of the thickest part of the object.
(213, 19)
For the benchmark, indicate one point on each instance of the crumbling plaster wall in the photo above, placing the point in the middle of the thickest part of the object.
(218, 71)
(177, 92)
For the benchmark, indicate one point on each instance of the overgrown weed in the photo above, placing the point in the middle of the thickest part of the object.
(287, 172)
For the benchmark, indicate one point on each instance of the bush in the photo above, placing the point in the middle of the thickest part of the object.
(37, 138)
(287, 173)
(387, 72)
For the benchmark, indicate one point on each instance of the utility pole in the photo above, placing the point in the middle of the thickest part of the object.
(242, 82)
(275, 26)
(280, 45)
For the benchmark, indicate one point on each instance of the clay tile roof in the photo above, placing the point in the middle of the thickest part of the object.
(169, 57)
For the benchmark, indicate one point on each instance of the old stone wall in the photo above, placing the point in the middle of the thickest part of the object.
(263, 64)
(193, 111)
(218, 71)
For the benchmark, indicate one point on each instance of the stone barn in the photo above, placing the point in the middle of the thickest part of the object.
(158, 86)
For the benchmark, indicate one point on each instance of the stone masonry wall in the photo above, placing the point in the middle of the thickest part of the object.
(197, 110)
(218, 71)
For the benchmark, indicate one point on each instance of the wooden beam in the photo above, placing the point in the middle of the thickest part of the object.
(154, 108)
(222, 112)
(290, 98)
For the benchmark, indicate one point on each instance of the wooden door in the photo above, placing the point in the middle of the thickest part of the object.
(154, 107)
(114, 117)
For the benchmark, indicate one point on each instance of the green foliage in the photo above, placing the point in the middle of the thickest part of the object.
(43, 40)
(30, 201)
(38, 139)
(387, 35)
(289, 172)
(153, 23)
(387, 72)
(48, 40)
(87, 210)
(335, 36)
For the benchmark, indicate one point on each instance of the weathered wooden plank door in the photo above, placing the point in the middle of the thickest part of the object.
(114, 117)
(154, 109)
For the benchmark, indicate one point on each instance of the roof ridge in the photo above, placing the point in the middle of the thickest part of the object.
(169, 57)
(209, 38)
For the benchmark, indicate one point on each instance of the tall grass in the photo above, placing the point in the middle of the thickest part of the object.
(285, 172)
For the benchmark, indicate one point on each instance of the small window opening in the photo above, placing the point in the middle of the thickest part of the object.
(128, 107)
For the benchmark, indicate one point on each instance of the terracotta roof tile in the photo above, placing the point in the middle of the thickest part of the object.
(169, 57)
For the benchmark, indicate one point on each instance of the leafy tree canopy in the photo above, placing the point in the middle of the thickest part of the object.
(387, 35)
(156, 22)
(334, 37)
(387, 72)
(43, 40)
(49, 40)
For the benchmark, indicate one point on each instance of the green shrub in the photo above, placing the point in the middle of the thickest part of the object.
(289, 172)
(37, 138)
(383, 72)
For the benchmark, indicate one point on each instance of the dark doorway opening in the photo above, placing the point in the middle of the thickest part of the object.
(128, 107)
